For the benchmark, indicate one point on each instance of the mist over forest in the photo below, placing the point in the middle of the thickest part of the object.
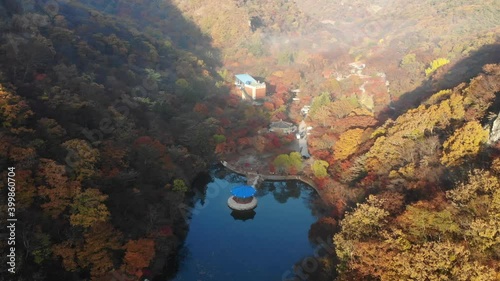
(115, 116)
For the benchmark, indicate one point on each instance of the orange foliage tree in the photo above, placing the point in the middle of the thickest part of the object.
(25, 189)
(113, 158)
(201, 108)
(350, 122)
(13, 109)
(100, 241)
(138, 255)
(55, 187)
(95, 252)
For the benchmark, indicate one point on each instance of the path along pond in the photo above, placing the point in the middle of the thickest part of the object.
(264, 244)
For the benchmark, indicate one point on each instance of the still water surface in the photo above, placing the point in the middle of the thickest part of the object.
(260, 246)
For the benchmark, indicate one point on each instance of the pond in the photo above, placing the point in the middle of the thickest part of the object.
(260, 245)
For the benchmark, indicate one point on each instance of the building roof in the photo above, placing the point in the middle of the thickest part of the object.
(245, 78)
(243, 191)
(281, 124)
(357, 65)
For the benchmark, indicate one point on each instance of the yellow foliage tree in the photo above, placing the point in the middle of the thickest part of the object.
(435, 261)
(81, 158)
(295, 160)
(396, 139)
(88, 208)
(285, 162)
(319, 168)
(495, 165)
(421, 223)
(408, 59)
(435, 64)
(478, 200)
(365, 221)
(282, 162)
(347, 144)
(437, 97)
(465, 142)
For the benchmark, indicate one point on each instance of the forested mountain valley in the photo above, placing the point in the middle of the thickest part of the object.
(113, 112)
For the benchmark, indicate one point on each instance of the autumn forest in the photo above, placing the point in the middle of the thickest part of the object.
(113, 112)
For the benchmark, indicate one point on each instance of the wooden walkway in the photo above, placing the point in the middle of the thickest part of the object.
(254, 179)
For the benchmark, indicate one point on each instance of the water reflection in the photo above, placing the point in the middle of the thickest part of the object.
(223, 244)
(281, 191)
(243, 215)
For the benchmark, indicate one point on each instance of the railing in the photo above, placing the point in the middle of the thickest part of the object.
(303, 179)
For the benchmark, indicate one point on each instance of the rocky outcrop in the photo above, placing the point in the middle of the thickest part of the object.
(495, 131)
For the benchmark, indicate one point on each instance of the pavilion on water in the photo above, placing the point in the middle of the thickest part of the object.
(242, 198)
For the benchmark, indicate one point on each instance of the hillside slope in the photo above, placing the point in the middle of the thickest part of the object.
(97, 121)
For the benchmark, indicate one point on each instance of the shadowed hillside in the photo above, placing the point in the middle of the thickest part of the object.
(448, 78)
(162, 20)
(97, 118)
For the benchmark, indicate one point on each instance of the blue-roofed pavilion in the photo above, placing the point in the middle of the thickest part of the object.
(242, 198)
(243, 191)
